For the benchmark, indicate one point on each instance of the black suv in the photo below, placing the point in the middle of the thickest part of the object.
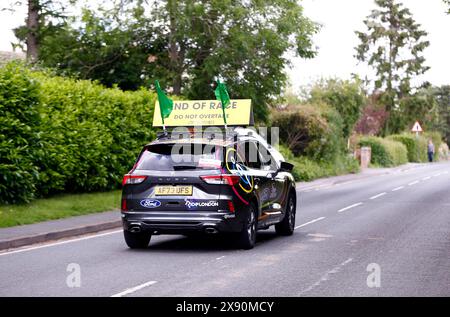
(234, 184)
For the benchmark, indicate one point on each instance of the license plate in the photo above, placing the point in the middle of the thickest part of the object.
(173, 190)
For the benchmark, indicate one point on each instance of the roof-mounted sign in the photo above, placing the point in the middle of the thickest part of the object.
(190, 113)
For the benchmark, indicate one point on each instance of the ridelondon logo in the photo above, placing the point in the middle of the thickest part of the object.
(194, 204)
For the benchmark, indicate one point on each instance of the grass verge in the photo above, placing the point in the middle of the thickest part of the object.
(57, 207)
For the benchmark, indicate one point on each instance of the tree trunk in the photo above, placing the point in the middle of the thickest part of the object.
(33, 27)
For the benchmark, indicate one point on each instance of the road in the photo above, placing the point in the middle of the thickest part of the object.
(397, 225)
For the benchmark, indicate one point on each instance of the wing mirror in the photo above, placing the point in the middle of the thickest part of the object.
(286, 167)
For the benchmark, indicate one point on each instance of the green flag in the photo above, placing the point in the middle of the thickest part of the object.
(222, 95)
(165, 104)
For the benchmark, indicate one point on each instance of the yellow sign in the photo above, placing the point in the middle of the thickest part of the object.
(205, 113)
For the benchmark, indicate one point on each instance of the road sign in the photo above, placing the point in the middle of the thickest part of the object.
(417, 127)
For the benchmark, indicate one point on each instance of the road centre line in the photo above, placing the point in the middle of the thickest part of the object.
(134, 289)
(61, 242)
(426, 178)
(310, 222)
(413, 183)
(379, 195)
(349, 207)
(437, 174)
(398, 188)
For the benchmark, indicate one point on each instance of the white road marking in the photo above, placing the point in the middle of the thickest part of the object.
(413, 183)
(426, 178)
(319, 235)
(379, 195)
(310, 222)
(446, 172)
(398, 188)
(437, 174)
(326, 276)
(134, 289)
(61, 242)
(349, 207)
(220, 257)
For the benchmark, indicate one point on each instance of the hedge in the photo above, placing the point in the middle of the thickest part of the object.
(75, 136)
(385, 152)
(19, 134)
(307, 169)
(416, 146)
(314, 131)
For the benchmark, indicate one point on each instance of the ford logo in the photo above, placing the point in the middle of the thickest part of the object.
(150, 203)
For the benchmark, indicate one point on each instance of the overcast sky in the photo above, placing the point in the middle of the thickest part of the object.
(336, 40)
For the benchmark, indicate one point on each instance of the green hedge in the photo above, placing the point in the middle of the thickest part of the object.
(314, 131)
(416, 146)
(19, 134)
(77, 136)
(307, 169)
(385, 152)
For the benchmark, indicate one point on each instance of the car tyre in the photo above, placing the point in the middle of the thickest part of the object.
(287, 225)
(247, 237)
(137, 240)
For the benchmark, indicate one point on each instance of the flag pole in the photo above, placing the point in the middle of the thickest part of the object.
(222, 99)
(165, 105)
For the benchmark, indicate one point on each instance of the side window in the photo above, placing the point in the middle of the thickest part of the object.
(249, 152)
(267, 160)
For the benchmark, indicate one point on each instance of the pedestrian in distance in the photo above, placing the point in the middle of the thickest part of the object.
(430, 150)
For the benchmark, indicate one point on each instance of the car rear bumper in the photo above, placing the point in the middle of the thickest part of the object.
(181, 222)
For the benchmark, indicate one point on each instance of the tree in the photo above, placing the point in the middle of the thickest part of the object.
(346, 96)
(242, 42)
(392, 45)
(108, 46)
(442, 97)
(186, 44)
(43, 18)
(447, 2)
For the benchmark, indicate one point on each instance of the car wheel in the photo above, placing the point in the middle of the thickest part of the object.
(137, 240)
(247, 237)
(287, 225)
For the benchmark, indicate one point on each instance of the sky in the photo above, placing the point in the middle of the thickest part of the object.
(335, 41)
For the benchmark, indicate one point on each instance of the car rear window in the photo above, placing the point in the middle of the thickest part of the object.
(172, 157)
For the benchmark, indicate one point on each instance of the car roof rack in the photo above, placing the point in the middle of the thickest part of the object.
(210, 132)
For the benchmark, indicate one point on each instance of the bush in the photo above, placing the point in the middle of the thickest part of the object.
(306, 169)
(314, 131)
(443, 152)
(19, 136)
(346, 97)
(385, 152)
(84, 136)
(416, 146)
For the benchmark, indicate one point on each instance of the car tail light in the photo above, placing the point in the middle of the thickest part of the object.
(222, 179)
(230, 206)
(124, 205)
(133, 179)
